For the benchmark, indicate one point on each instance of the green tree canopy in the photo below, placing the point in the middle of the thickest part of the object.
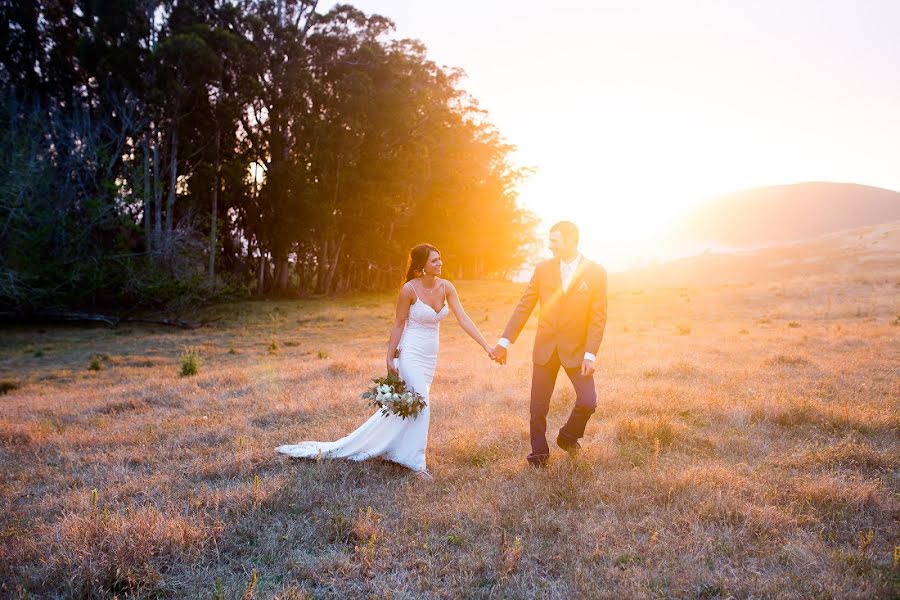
(161, 149)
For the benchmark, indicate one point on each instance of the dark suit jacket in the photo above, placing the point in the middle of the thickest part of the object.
(572, 322)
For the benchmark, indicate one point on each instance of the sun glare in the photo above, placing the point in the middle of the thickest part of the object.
(626, 191)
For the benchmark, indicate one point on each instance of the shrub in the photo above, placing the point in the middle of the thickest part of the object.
(190, 361)
(8, 385)
(97, 361)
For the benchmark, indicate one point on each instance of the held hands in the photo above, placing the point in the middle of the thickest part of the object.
(499, 354)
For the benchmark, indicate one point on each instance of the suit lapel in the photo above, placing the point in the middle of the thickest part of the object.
(553, 301)
(556, 278)
(577, 276)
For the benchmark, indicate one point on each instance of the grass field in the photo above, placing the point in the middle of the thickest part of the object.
(745, 445)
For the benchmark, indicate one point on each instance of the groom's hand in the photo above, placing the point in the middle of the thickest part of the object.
(500, 354)
(587, 367)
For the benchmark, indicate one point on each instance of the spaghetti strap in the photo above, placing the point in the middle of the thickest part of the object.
(413, 289)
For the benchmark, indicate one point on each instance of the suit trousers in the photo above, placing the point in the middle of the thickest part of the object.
(543, 380)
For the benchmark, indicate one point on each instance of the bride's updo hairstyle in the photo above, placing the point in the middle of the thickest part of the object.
(418, 256)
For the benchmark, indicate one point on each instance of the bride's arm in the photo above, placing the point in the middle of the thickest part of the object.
(463, 319)
(402, 313)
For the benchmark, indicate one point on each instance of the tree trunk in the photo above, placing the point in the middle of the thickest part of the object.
(148, 227)
(157, 192)
(214, 216)
(322, 265)
(149, 188)
(333, 263)
(283, 275)
(261, 281)
(280, 263)
(173, 180)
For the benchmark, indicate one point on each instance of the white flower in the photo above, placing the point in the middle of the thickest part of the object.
(385, 388)
(396, 396)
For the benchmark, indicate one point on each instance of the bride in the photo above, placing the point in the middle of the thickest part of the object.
(425, 299)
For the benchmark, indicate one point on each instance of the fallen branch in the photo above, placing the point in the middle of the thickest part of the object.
(112, 321)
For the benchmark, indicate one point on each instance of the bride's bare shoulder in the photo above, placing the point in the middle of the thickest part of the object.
(407, 291)
(448, 285)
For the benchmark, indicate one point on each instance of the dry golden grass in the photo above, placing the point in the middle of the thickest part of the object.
(731, 455)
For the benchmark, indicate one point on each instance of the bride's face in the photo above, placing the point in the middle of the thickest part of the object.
(433, 264)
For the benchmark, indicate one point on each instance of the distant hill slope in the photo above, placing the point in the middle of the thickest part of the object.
(786, 213)
(871, 253)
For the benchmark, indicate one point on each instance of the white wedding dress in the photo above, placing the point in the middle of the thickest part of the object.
(390, 437)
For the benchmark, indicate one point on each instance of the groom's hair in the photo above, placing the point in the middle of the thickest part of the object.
(568, 230)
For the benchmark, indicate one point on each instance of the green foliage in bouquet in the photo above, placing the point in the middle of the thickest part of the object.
(391, 396)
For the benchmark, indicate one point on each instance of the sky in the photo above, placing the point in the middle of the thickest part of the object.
(632, 112)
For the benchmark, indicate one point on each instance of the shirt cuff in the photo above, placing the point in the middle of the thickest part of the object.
(503, 342)
(590, 357)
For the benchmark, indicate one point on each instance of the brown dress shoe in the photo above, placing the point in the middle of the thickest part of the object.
(538, 460)
(571, 447)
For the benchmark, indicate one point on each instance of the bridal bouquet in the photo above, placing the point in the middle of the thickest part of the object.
(391, 396)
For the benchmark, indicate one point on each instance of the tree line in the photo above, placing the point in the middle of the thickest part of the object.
(160, 152)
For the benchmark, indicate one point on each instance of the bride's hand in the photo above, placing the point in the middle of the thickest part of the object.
(391, 369)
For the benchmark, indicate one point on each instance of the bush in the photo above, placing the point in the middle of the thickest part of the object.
(97, 361)
(190, 361)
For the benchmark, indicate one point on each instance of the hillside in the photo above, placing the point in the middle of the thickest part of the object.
(786, 213)
(861, 252)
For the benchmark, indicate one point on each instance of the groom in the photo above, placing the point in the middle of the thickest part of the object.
(572, 293)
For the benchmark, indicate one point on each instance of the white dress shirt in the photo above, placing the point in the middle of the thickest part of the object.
(566, 272)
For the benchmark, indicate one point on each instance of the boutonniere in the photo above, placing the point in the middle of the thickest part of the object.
(583, 287)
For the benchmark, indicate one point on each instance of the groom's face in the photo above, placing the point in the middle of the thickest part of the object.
(557, 244)
(561, 247)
